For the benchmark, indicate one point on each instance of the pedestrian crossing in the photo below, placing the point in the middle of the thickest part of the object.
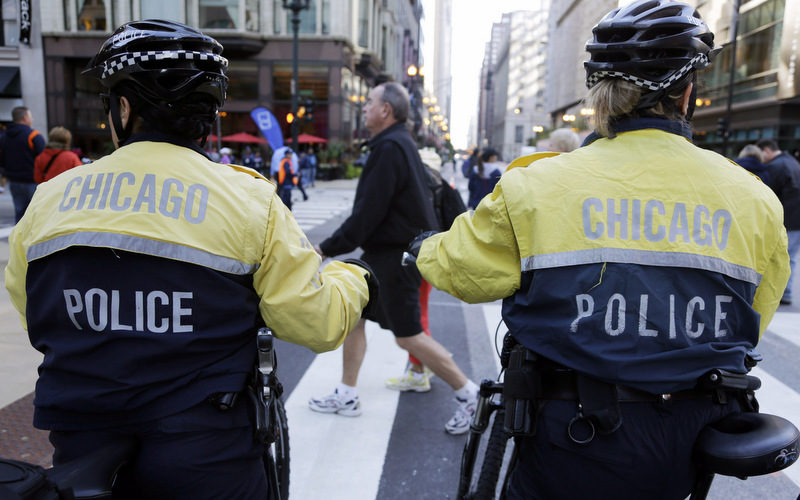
(322, 205)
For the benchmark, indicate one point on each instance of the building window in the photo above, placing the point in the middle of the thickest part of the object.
(219, 14)
(251, 16)
(276, 16)
(384, 43)
(92, 15)
(308, 19)
(242, 80)
(363, 23)
(326, 17)
(159, 9)
(518, 131)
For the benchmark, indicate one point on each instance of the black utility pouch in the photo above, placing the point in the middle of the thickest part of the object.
(600, 403)
(520, 389)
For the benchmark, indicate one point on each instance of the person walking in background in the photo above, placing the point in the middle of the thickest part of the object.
(784, 178)
(751, 158)
(287, 179)
(57, 156)
(312, 161)
(226, 155)
(484, 176)
(564, 140)
(393, 204)
(20, 146)
(258, 162)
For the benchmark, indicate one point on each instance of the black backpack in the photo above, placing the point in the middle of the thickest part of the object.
(447, 202)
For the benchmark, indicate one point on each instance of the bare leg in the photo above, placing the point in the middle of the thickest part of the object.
(435, 357)
(353, 350)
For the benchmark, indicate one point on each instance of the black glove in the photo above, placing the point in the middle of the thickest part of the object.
(373, 286)
(416, 243)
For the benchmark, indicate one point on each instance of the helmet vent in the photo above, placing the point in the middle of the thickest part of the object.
(666, 12)
(644, 8)
(614, 35)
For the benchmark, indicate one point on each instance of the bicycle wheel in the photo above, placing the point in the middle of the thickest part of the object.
(493, 458)
(276, 455)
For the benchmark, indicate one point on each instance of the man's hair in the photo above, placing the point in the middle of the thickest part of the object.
(397, 97)
(59, 135)
(18, 114)
(768, 144)
(614, 99)
(751, 151)
(564, 140)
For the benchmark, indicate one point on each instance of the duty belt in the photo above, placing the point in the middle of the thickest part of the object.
(562, 385)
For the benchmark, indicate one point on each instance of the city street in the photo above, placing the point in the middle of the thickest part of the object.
(398, 448)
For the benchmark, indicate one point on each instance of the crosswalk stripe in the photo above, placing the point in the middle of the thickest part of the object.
(785, 324)
(350, 464)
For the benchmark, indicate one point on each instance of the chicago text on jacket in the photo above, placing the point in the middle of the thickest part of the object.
(170, 199)
(631, 219)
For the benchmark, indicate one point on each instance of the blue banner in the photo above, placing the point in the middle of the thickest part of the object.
(269, 127)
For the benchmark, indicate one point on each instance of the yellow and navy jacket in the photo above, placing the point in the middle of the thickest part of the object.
(642, 260)
(143, 277)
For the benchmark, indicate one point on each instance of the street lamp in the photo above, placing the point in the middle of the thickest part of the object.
(295, 6)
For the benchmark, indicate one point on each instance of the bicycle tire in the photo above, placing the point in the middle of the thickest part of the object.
(276, 456)
(493, 459)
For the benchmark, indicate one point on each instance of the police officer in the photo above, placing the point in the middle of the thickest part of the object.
(144, 278)
(629, 267)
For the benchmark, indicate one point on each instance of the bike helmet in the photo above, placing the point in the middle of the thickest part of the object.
(654, 44)
(164, 60)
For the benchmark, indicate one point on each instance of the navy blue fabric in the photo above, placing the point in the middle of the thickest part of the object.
(649, 456)
(542, 320)
(753, 165)
(131, 373)
(200, 453)
(21, 194)
(17, 154)
(631, 124)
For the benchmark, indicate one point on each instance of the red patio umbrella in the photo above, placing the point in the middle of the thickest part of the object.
(305, 139)
(243, 137)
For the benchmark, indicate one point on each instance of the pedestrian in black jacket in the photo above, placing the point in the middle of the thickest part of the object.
(784, 179)
(20, 145)
(393, 204)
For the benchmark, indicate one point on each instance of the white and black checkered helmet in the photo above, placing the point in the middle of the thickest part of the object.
(164, 59)
(654, 44)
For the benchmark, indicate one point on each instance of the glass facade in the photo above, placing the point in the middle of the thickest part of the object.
(219, 14)
(92, 15)
(757, 52)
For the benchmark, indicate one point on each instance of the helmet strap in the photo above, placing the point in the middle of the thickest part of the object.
(692, 98)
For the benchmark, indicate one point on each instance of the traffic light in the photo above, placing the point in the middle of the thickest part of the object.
(722, 127)
(309, 110)
(289, 117)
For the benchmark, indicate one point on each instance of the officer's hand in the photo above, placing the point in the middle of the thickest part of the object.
(319, 251)
(416, 243)
(373, 287)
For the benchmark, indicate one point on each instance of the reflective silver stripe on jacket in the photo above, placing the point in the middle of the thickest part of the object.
(140, 245)
(642, 257)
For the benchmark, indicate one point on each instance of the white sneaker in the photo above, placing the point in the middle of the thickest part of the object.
(460, 422)
(408, 382)
(333, 403)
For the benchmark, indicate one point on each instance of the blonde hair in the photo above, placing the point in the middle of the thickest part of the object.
(752, 151)
(59, 136)
(614, 98)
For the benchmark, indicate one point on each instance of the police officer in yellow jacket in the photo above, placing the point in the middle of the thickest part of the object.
(637, 262)
(144, 276)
